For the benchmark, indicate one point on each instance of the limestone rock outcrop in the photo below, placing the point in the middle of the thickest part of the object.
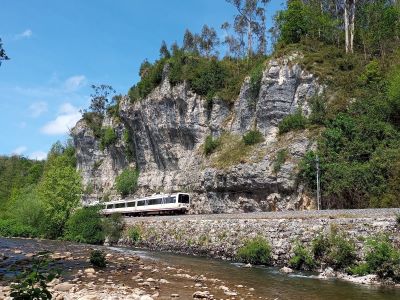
(167, 131)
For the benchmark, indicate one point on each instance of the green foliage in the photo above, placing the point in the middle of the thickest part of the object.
(93, 121)
(126, 182)
(255, 251)
(59, 191)
(134, 233)
(291, 122)
(280, 159)
(13, 228)
(383, 258)
(98, 258)
(302, 259)
(336, 249)
(255, 80)
(318, 110)
(108, 137)
(210, 144)
(151, 76)
(112, 227)
(85, 226)
(32, 283)
(253, 137)
(15, 173)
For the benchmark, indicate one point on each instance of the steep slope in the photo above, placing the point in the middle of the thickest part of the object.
(167, 131)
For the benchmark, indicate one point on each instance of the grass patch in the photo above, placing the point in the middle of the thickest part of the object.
(231, 151)
(108, 137)
(210, 144)
(98, 258)
(255, 251)
(135, 233)
(280, 159)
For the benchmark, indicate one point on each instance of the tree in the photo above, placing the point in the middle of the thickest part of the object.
(164, 52)
(3, 55)
(59, 190)
(251, 19)
(190, 42)
(100, 98)
(208, 40)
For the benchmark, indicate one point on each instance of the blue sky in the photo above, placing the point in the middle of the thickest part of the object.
(59, 48)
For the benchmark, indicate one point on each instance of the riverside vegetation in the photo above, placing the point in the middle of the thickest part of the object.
(357, 120)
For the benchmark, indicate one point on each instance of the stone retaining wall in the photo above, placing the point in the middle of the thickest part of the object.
(222, 238)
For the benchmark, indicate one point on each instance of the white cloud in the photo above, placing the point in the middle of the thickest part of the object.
(19, 150)
(75, 82)
(66, 119)
(26, 34)
(37, 108)
(38, 155)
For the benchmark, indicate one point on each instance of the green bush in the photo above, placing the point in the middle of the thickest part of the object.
(280, 159)
(253, 137)
(318, 110)
(12, 228)
(255, 251)
(108, 137)
(335, 249)
(126, 182)
(383, 258)
(134, 233)
(210, 145)
(113, 226)
(98, 258)
(85, 226)
(302, 259)
(291, 122)
(93, 121)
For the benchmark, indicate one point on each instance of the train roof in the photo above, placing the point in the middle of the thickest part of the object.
(144, 198)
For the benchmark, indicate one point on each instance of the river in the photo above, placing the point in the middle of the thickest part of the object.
(268, 282)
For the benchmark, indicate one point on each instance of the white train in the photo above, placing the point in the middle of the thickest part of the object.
(153, 205)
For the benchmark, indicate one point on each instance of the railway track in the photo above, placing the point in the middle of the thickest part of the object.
(309, 214)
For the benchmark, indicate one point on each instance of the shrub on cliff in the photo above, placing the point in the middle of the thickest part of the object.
(255, 251)
(210, 144)
(291, 122)
(85, 226)
(126, 182)
(253, 137)
(108, 137)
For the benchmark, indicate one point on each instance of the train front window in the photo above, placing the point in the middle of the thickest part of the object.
(183, 198)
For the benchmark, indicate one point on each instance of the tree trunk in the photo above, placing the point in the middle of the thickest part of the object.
(349, 20)
(249, 40)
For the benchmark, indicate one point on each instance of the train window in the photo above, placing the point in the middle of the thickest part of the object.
(169, 200)
(141, 203)
(131, 204)
(109, 206)
(154, 201)
(119, 205)
(183, 198)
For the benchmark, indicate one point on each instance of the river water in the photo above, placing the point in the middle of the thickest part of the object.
(268, 283)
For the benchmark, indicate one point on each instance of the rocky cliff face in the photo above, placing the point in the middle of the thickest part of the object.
(167, 131)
